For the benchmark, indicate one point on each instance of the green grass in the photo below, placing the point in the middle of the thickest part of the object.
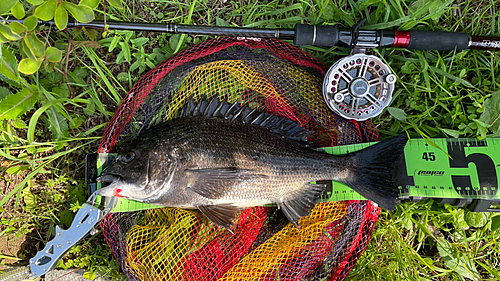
(443, 94)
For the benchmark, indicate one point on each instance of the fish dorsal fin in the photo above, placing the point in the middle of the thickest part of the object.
(221, 215)
(303, 204)
(247, 115)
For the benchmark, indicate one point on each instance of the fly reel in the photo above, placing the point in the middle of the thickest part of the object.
(358, 87)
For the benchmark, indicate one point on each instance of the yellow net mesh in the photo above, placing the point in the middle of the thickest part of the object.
(157, 249)
(286, 244)
(232, 78)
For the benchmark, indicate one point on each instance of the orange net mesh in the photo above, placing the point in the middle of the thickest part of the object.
(175, 244)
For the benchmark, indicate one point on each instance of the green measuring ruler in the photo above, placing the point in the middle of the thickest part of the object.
(457, 171)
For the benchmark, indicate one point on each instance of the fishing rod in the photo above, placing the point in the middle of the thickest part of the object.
(314, 35)
(356, 87)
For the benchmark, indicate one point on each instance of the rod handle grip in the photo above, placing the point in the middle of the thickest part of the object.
(316, 35)
(438, 40)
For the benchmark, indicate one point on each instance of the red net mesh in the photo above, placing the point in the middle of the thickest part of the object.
(175, 244)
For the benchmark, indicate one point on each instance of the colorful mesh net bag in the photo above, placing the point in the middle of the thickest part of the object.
(177, 244)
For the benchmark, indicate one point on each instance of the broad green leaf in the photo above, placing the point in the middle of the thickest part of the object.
(31, 22)
(6, 5)
(126, 51)
(150, 64)
(17, 104)
(137, 42)
(80, 13)
(18, 11)
(57, 124)
(26, 50)
(116, 3)
(123, 76)
(475, 219)
(456, 261)
(29, 66)
(36, 46)
(221, 22)
(53, 54)
(3, 39)
(88, 274)
(35, 2)
(408, 67)
(18, 123)
(114, 43)
(460, 222)
(34, 118)
(61, 17)
(482, 128)
(453, 133)
(29, 198)
(495, 223)
(62, 91)
(16, 170)
(4, 92)
(78, 121)
(173, 41)
(90, 3)
(7, 32)
(491, 114)
(397, 113)
(119, 58)
(18, 27)
(458, 217)
(8, 64)
(135, 65)
(46, 10)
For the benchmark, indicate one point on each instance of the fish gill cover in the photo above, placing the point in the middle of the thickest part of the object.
(176, 244)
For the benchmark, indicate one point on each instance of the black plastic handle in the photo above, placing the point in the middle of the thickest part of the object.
(438, 40)
(316, 35)
(414, 39)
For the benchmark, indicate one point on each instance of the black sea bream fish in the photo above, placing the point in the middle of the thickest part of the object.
(221, 158)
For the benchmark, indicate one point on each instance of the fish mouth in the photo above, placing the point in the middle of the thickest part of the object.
(114, 186)
(109, 183)
(108, 179)
(110, 186)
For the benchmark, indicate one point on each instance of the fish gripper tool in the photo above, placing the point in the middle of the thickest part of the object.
(91, 213)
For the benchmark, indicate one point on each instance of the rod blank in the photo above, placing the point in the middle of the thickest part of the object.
(316, 35)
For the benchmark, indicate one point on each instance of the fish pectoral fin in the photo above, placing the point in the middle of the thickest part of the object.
(213, 183)
(303, 204)
(221, 215)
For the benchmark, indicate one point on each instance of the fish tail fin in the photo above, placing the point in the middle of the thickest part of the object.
(373, 171)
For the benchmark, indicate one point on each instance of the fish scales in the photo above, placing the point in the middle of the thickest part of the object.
(213, 143)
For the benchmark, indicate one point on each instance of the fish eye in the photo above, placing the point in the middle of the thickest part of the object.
(127, 157)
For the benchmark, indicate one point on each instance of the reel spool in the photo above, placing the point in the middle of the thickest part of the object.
(358, 86)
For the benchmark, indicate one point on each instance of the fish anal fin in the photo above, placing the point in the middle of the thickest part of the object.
(221, 215)
(303, 204)
(213, 183)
